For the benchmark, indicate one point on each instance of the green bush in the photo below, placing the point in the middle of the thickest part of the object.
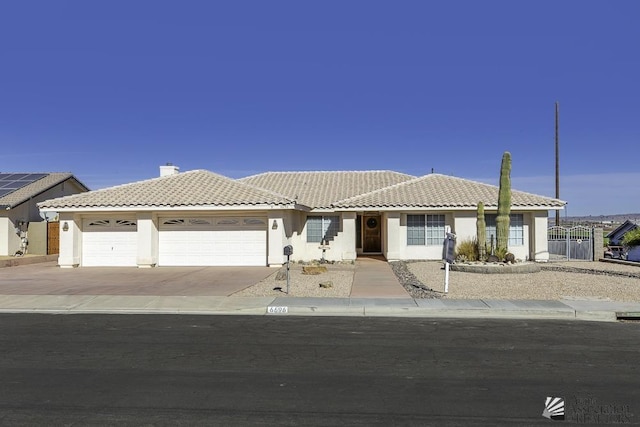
(501, 253)
(632, 238)
(467, 250)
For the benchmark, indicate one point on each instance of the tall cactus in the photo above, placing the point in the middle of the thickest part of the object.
(504, 205)
(481, 231)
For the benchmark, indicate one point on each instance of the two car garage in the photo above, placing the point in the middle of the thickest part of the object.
(181, 241)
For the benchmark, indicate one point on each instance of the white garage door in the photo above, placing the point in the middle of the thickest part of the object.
(109, 243)
(229, 241)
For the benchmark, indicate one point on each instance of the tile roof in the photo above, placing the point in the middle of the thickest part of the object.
(316, 190)
(33, 189)
(322, 189)
(193, 188)
(442, 191)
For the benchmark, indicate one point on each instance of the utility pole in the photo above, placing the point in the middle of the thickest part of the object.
(557, 162)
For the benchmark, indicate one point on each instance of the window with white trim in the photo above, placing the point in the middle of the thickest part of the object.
(321, 228)
(425, 229)
(516, 229)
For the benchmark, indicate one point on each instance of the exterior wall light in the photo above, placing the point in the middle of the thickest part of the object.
(65, 226)
(275, 225)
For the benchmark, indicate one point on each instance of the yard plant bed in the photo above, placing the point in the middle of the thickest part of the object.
(497, 268)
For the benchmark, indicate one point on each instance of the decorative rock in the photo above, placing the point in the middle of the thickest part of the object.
(314, 269)
(328, 284)
(414, 287)
(281, 274)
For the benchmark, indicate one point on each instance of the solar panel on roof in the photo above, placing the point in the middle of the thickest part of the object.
(34, 176)
(10, 182)
(16, 176)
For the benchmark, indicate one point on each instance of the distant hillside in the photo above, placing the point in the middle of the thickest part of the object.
(616, 218)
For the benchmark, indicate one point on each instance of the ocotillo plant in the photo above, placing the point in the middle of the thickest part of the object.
(504, 205)
(481, 231)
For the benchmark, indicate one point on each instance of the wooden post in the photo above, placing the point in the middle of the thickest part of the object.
(557, 162)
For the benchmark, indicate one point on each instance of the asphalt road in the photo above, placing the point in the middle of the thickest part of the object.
(216, 370)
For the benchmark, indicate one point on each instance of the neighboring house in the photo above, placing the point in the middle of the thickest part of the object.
(634, 254)
(19, 194)
(615, 236)
(200, 218)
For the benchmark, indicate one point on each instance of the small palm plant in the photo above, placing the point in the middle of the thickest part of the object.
(632, 238)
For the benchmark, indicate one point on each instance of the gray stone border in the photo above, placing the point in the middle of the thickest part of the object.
(497, 268)
(563, 269)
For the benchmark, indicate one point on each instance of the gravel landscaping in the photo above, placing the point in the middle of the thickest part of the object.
(305, 285)
(414, 287)
(562, 280)
(425, 279)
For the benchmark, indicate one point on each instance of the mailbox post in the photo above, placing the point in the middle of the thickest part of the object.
(288, 251)
(449, 255)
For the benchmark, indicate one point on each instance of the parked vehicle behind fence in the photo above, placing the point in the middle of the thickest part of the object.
(615, 252)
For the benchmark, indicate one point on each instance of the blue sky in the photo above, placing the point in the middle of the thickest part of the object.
(110, 90)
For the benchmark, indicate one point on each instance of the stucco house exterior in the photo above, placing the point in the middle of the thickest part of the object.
(616, 235)
(19, 195)
(200, 218)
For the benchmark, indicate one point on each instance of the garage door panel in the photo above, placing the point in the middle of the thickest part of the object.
(111, 243)
(212, 245)
(184, 248)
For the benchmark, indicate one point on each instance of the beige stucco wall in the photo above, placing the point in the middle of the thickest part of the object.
(540, 243)
(463, 225)
(148, 234)
(291, 230)
(28, 211)
(70, 240)
(465, 229)
(6, 228)
(147, 239)
(397, 238)
(37, 238)
(11, 239)
(343, 244)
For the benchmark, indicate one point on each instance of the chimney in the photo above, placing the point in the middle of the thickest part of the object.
(169, 169)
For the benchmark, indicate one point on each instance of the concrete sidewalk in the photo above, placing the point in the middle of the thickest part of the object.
(289, 306)
(374, 278)
(375, 292)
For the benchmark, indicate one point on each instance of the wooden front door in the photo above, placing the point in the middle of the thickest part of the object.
(53, 238)
(372, 234)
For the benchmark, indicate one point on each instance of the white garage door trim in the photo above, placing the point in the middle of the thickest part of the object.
(212, 241)
(109, 242)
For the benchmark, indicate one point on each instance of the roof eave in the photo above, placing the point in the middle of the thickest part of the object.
(242, 207)
(438, 207)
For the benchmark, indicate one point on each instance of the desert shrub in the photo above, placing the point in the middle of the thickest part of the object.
(632, 238)
(467, 250)
(501, 253)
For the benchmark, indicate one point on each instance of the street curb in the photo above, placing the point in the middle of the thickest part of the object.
(413, 312)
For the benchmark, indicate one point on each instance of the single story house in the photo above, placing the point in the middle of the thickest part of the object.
(200, 218)
(616, 235)
(19, 195)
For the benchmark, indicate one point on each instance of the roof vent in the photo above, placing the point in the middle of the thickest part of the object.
(169, 169)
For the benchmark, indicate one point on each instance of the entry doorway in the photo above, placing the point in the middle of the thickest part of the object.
(371, 234)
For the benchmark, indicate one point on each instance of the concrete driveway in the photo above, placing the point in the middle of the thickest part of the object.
(48, 279)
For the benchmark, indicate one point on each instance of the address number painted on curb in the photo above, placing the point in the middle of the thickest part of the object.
(277, 310)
